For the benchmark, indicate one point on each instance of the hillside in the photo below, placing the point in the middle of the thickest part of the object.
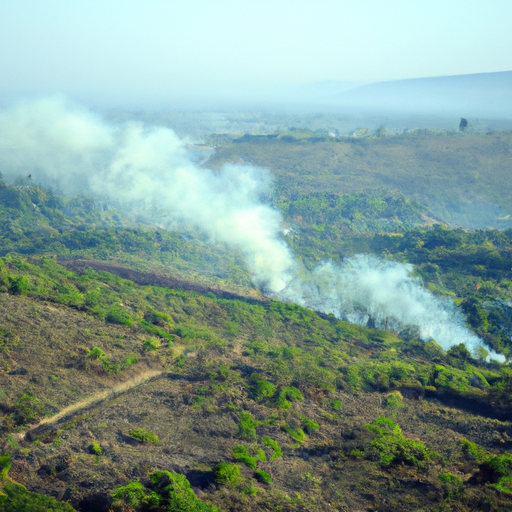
(140, 371)
(267, 386)
(464, 180)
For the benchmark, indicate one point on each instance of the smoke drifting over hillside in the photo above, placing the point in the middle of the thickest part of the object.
(149, 168)
(365, 289)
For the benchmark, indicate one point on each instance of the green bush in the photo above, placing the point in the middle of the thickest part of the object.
(27, 408)
(394, 400)
(117, 315)
(276, 449)
(247, 425)
(166, 492)
(391, 447)
(134, 495)
(144, 436)
(335, 404)
(95, 448)
(226, 473)
(286, 395)
(151, 344)
(452, 485)
(262, 476)
(15, 498)
(261, 388)
(241, 453)
(131, 359)
(175, 494)
(309, 425)
(96, 353)
(296, 434)
(5, 466)
(18, 285)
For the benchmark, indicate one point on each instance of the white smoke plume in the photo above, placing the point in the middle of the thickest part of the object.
(365, 289)
(148, 167)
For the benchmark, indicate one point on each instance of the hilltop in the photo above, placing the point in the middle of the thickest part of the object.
(462, 179)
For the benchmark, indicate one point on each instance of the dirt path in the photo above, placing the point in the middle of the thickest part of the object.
(91, 401)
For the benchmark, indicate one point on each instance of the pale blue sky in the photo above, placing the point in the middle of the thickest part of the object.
(134, 53)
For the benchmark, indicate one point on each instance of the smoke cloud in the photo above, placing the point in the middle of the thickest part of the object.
(149, 168)
(366, 290)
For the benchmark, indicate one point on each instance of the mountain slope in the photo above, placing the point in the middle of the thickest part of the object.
(487, 95)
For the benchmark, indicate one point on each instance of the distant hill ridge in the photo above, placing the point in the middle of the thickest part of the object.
(478, 94)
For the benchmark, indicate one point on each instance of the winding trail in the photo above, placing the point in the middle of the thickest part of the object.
(92, 401)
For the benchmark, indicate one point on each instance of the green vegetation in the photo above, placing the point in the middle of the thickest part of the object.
(166, 492)
(5, 466)
(262, 476)
(295, 433)
(241, 453)
(15, 498)
(452, 485)
(452, 172)
(261, 388)
(277, 452)
(394, 400)
(144, 436)
(95, 448)
(227, 474)
(391, 447)
(247, 425)
(219, 362)
(287, 395)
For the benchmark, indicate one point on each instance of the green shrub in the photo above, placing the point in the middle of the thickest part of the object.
(18, 285)
(335, 404)
(286, 395)
(297, 434)
(144, 436)
(261, 388)
(394, 400)
(117, 315)
(27, 408)
(391, 447)
(241, 453)
(309, 425)
(276, 449)
(5, 466)
(175, 494)
(133, 495)
(96, 353)
(357, 454)
(131, 359)
(95, 448)
(15, 498)
(475, 451)
(226, 473)
(167, 491)
(247, 425)
(262, 476)
(151, 344)
(452, 485)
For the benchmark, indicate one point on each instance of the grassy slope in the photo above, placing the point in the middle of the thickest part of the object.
(463, 179)
(52, 318)
(210, 402)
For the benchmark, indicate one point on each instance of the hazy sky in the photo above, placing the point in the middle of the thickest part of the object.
(145, 53)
